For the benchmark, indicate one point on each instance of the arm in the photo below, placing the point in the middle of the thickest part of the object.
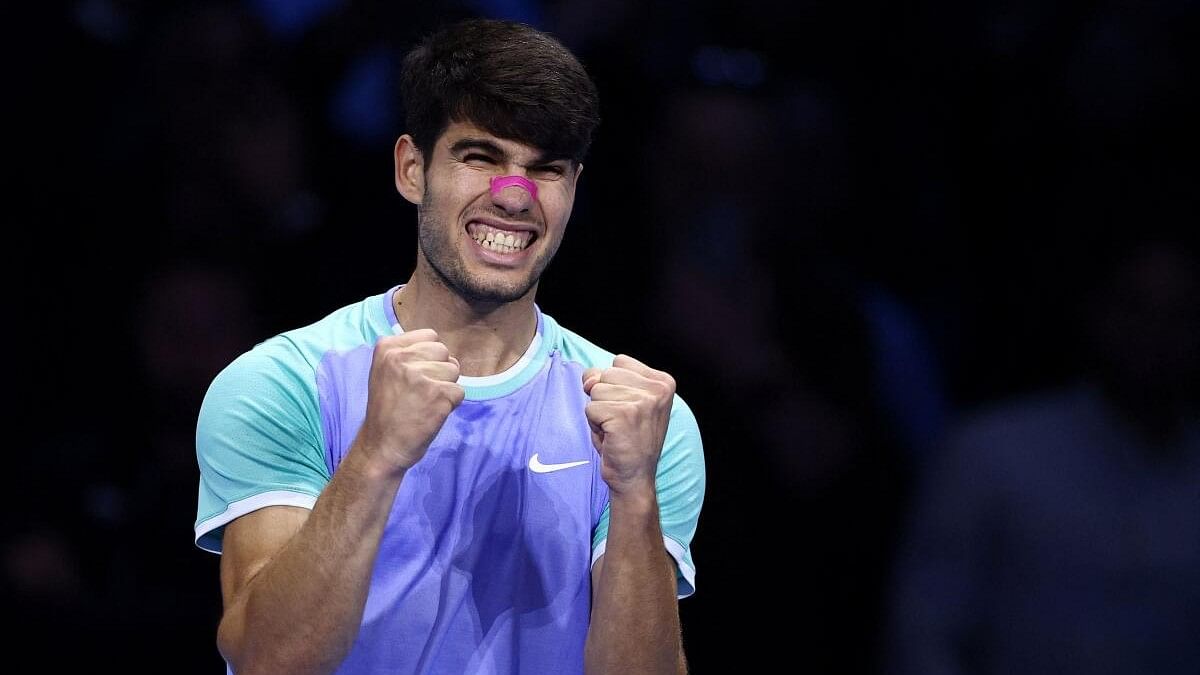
(634, 601)
(635, 616)
(295, 583)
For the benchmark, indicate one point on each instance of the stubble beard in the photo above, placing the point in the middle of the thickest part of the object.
(437, 247)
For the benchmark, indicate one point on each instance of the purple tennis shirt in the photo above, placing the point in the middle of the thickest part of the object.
(484, 565)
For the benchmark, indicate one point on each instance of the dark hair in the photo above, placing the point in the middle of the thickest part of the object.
(508, 78)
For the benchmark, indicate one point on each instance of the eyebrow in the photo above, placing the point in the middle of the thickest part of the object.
(464, 144)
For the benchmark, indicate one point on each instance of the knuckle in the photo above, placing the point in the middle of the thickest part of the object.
(394, 360)
(418, 379)
(383, 347)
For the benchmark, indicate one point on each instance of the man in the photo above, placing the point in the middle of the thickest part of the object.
(1059, 532)
(440, 478)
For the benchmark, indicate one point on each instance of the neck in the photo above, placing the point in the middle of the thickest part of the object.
(486, 338)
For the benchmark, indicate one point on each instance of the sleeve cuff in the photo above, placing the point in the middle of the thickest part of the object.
(209, 530)
(685, 580)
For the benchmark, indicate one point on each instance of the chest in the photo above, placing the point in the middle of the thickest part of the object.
(500, 470)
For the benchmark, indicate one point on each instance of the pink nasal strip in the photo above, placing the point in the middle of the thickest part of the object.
(501, 182)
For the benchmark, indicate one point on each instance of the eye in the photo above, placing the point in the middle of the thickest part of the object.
(549, 171)
(478, 157)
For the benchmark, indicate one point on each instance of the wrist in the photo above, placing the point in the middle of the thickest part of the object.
(634, 500)
(371, 466)
(639, 483)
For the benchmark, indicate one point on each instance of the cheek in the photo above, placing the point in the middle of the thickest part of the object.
(447, 205)
(557, 206)
(563, 216)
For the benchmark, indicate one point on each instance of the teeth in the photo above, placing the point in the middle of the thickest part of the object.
(496, 240)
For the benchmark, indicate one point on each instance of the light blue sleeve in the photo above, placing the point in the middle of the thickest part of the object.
(680, 487)
(258, 439)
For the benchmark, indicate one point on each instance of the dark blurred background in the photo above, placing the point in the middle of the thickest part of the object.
(926, 273)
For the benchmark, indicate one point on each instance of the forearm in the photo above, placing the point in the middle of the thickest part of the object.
(301, 612)
(635, 614)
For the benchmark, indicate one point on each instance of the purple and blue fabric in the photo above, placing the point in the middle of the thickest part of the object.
(484, 566)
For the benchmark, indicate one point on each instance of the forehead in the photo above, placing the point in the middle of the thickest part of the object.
(461, 131)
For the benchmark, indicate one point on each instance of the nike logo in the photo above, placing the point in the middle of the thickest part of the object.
(536, 466)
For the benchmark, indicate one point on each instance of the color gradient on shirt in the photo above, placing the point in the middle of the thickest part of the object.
(484, 565)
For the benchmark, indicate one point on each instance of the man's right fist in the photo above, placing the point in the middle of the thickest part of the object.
(412, 390)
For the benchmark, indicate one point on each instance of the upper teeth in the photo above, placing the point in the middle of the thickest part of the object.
(499, 240)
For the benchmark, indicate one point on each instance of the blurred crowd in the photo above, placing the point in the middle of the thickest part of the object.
(926, 272)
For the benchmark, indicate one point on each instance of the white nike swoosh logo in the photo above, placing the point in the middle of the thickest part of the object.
(536, 466)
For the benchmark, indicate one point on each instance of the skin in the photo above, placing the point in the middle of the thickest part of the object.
(295, 582)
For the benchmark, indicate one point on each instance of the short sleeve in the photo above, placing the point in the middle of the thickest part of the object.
(258, 439)
(679, 483)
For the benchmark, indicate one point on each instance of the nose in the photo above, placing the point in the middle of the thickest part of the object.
(514, 194)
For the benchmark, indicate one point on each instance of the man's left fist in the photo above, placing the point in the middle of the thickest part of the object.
(628, 414)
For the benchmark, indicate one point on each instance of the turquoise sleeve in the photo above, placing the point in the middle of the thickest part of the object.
(258, 439)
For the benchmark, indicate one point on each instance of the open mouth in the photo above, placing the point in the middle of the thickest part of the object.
(498, 240)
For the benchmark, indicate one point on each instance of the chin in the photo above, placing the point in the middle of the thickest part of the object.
(477, 290)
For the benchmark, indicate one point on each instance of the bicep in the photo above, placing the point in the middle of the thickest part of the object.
(251, 541)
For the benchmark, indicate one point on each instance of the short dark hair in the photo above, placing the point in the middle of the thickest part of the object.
(508, 78)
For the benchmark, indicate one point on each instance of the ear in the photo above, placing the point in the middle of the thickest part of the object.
(578, 171)
(410, 170)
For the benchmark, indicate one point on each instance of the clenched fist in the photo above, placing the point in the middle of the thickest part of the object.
(628, 414)
(411, 391)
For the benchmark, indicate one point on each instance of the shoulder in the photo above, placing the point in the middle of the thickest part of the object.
(275, 363)
(573, 346)
(1028, 420)
(350, 327)
(288, 361)
(576, 348)
(1014, 441)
